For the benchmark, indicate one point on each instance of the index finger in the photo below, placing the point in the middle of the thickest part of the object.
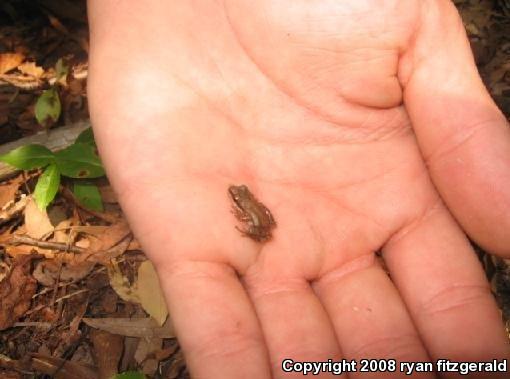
(441, 280)
(462, 135)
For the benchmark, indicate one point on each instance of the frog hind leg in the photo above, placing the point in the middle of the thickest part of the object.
(240, 215)
(253, 236)
(244, 232)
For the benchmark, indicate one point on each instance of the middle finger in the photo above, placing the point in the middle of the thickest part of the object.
(371, 321)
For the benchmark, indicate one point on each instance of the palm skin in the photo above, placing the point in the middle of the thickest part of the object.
(345, 120)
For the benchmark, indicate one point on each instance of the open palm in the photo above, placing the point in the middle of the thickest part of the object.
(359, 126)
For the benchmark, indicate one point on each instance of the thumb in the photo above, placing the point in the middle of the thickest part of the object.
(463, 136)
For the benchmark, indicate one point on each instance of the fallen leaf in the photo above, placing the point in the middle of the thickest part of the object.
(9, 61)
(107, 351)
(48, 271)
(132, 327)
(21, 81)
(108, 301)
(8, 191)
(31, 69)
(37, 221)
(130, 346)
(26, 121)
(144, 354)
(43, 275)
(57, 215)
(106, 256)
(14, 250)
(76, 87)
(4, 270)
(59, 368)
(12, 210)
(8, 363)
(121, 285)
(150, 294)
(10, 375)
(105, 237)
(16, 291)
(177, 366)
(134, 245)
(145, 290)
(166, 352)
(83, 355)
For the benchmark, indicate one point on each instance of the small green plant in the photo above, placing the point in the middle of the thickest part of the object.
(129, 375)
(78, 161)
(48, 106)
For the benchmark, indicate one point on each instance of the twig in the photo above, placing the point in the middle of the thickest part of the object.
(23, 240)
(71, 295)
(38, 324)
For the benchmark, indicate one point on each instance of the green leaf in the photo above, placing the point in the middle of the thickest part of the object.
(88, 195)
(129, 375)
(29, 157)
(47, 186)
(61, 69)
(86, 137)
(79, 161)
(47, 107)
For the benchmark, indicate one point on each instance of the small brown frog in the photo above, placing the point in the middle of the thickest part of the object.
(247, 209)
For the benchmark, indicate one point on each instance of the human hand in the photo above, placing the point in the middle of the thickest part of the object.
(361, 126)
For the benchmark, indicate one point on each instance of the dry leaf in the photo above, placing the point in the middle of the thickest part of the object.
(145, 290)
(76, 87)
(63, 232)
(47, 271)
(177, 365)
(132, 327)
(9, 61)
(21, 81)
(134, 245)
(15, 250)
(8, 191)
(107, 351)
(43, 275)
(31, 69)
(59, 368)
(12, 210)
(4, 270)
(103, 238)
(130, 346)
(58, 217)
(121, 285)
(37, 221)
(144, 354)
(150, 294)
(82, 355)
(16, 291)
(108, 301)
(10, 375)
